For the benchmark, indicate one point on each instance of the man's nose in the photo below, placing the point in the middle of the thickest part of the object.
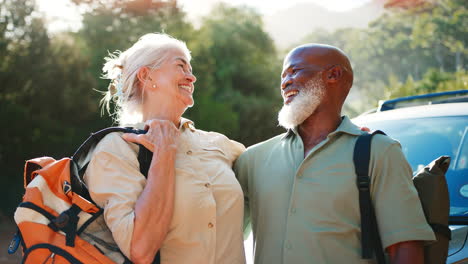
(285, 82)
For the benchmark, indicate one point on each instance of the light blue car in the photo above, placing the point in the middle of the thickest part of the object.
(427, 127)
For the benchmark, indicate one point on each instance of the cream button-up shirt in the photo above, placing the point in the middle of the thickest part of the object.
(207, 222)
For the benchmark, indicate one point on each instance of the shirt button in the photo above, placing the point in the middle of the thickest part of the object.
(207, 185)
(288, 245)
(189, 152)
(293, 210)
(210, 225)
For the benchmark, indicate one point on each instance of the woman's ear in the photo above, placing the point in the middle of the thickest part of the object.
(143, 75)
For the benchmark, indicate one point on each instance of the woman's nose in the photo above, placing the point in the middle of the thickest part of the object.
(190, 77)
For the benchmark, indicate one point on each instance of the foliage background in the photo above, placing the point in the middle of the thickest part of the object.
(48, 102)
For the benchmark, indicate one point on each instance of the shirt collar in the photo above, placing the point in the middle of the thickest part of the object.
(290, 132)
(184, 124)
(346, 126)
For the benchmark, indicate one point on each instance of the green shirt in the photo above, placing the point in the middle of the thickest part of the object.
(306, 210)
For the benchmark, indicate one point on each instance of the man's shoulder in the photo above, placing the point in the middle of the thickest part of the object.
(266, 145)
(261, 149)
(382, 142)
(257, 153)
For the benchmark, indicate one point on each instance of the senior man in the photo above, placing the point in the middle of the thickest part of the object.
(300, 186)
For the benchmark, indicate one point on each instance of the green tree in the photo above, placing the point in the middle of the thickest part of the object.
(238, 75)
(115, 25)
(408, 40)
(443, 29)
(233, 58)
(44, 95)
(433, 81)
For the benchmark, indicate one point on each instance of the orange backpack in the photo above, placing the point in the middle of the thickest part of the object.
(56, 207)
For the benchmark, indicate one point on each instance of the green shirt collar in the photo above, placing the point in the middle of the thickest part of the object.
(346, 126)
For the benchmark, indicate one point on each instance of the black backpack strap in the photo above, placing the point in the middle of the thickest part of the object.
(156, 260)
(89, 144)
(370, 237)
(144, 158)
(80, 162)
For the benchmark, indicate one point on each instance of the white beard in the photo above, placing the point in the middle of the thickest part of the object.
(303, 105)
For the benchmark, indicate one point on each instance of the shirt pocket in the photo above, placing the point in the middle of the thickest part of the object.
(214, 149)
(211, 153)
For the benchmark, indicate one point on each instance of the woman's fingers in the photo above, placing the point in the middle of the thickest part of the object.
(139, 139)
(161, 134)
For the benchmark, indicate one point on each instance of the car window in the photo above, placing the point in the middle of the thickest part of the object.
(424, 139)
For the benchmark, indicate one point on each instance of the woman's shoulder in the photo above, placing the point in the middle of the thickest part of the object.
(114, 143)
(221, 141)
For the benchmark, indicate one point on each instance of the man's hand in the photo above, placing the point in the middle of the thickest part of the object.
(365, 129)
(408, 252)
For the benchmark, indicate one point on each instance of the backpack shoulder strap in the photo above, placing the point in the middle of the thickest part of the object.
(91, 142)
(81, 158)
(370, 237)
(144, 158)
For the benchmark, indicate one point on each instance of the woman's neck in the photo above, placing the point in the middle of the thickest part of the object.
(164, 110)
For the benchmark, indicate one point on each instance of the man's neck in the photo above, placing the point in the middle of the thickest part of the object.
(316, 128)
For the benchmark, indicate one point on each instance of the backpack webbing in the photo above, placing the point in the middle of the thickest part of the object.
(370, 237)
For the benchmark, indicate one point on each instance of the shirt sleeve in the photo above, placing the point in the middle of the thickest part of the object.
(241, 170)
(398, 209)
(231, 148)
(115, 183)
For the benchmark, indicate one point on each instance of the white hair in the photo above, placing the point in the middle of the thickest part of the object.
(304, 105)
(151, 50)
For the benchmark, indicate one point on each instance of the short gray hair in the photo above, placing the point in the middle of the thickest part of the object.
(151, 50)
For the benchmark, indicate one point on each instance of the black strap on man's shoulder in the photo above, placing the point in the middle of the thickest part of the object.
(370, 237)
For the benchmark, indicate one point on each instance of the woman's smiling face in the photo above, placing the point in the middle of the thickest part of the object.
(174, 79)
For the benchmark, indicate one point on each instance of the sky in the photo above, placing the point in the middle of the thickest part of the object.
(62, 15)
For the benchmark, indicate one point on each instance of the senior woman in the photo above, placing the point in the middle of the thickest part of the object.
(190, 206)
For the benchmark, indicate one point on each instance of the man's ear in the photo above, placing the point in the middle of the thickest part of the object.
(334, 74)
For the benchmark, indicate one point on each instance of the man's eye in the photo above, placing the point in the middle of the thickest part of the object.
(294, 70)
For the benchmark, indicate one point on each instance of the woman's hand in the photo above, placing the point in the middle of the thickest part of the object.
(161, 135)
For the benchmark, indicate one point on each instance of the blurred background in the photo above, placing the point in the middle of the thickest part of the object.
(51, 55)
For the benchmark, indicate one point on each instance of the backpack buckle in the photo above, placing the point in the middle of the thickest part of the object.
(62, 220)
(66, 187)
(14, 244)
(363, 182)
